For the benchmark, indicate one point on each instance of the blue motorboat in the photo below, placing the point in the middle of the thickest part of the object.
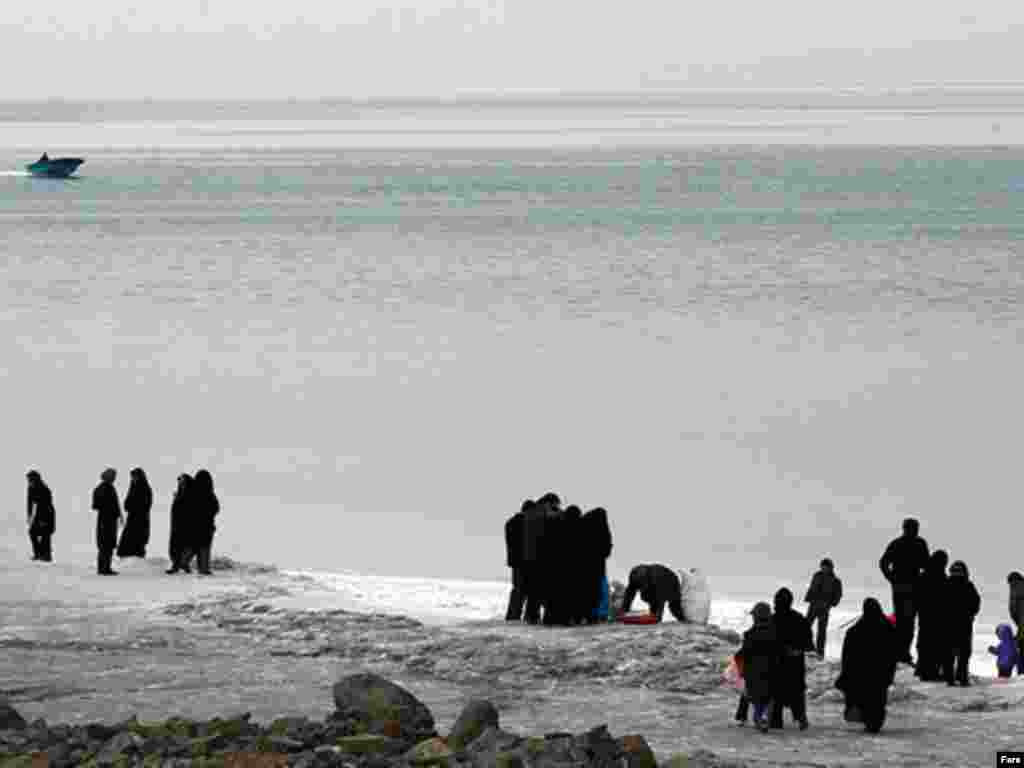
(58, 168)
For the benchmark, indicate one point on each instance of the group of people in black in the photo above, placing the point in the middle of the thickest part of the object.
(942, 604)
(558, 561)
(193, 509)
(772, 657)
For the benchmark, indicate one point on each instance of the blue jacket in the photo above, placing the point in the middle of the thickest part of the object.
(1006, 651)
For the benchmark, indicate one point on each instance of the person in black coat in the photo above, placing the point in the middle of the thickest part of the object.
(203, 507)
(575, 596)
(595, 549)
(514, 560)
(532, 560)
(108, 517)
(903, 563)
(42, 517)
(179, 543)
(137, 504)
(932, 638)
(557, 565)
(824, 594)
(870, 651)
(760, 657)
(962, 604)
(657, 586)
(794, 632)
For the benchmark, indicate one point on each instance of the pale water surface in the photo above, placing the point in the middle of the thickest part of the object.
(758, 334)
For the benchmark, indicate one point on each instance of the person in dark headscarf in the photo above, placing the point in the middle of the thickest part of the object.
(658, 586)
(794, 633)
(932, 639)
(534, 539)
(514, 560)
(557, 563)
(870, 651)
(42, 518)
(108, 517)
(962, 605)
(596, 548)
(903, 563)
(574, 596)
(137, 504)
(203, 508)
(179, 542)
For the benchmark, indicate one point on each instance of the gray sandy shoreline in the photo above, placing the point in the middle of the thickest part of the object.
(223, 647)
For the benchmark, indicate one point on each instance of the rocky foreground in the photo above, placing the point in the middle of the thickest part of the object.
(164, 686)
(376, 724)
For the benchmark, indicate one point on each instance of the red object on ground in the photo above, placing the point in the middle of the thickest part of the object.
(892, 618)
(638, 618)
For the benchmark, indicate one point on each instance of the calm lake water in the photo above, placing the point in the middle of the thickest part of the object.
(757, 333)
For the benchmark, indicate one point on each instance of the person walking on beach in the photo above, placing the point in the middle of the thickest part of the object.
(137, 504)
(203, 507)
(903, 563)
(963, 605)
(108, 517)
(42, 518)
(514, 560)
(760, 657)
(932, 637)
(794, 635)
(596, 546)
(822, 596)
(869, 658)
(658, 586)
(1016, 582)
(179, 540)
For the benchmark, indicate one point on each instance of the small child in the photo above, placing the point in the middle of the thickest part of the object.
(1006, 653)
(760, 655)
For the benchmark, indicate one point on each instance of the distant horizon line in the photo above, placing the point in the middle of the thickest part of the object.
(853, 89)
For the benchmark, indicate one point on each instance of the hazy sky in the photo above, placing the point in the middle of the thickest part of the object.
(316, 48)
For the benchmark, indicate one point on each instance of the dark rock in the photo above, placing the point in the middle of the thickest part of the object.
(371, 701)
(10, 720)
(476, 716)
(122, 743)
(638, 753)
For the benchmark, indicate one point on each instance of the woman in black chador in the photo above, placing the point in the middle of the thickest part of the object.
(202, 508)
(137, 504)
(108, 516)
(596, 546)
(870, 651)
(42, 519)
(179, 544)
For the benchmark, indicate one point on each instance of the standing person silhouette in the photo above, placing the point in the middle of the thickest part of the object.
(42, 518)
(137, 504)
(179, 543)
(824, 594)
(903, 564)
(108, 516)
(203, 507)
(514, 560)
